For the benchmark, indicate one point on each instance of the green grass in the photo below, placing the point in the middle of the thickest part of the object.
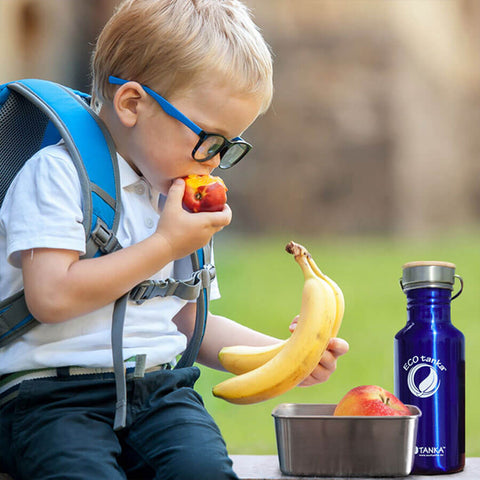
(261, 287)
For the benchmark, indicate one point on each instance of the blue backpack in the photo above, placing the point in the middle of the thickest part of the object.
(37, 113)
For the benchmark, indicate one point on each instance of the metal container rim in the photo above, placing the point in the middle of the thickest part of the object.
(416, 412)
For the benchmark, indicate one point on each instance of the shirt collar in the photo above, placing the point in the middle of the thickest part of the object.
(130, 181)
(128, 176)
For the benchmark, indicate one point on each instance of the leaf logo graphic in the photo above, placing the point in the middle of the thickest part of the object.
(428, 386)
(430, 383)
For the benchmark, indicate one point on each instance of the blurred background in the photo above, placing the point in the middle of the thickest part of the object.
(373, 126)
(368, 155)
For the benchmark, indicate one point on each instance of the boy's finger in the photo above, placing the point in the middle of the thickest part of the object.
(294, 323)
(177, 187)
(176, 191)
(328, 361)
(219, 219)
(338, 346)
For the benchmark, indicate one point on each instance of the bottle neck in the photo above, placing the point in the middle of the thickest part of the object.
(429, 305)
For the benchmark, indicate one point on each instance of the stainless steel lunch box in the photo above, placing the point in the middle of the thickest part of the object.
(313, 442)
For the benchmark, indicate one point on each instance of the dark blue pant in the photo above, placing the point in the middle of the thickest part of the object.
(62, 428)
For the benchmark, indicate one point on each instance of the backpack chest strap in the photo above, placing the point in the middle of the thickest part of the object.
(187, 290)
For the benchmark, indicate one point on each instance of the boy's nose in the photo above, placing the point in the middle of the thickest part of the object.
(214, 162)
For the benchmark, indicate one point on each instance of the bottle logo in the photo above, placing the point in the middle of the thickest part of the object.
(430, 451)
(423, 380)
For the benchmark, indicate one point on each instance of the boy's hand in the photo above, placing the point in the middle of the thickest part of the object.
(186, 232)
(328, 363)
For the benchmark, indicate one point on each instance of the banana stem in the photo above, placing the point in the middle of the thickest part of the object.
(296, 249)
(301, 255)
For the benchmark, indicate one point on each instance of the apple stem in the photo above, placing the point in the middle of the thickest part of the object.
(385, 400)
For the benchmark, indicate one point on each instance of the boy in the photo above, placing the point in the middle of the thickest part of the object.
(207, 58)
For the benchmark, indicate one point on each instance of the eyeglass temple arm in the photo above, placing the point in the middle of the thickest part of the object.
(167, 107)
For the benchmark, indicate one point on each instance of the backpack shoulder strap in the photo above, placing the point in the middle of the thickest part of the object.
(201, 261)
(36, 113)
(92, 150)
(15, 318)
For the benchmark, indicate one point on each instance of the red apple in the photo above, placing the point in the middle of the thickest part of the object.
(370, 400)
(204, 193)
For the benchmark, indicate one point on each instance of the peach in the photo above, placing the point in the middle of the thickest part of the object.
(204, 193)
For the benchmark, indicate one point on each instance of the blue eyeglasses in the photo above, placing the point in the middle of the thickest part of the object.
(209, 144)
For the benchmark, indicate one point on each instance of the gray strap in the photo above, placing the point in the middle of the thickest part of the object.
(199, 283)
(191, 352)
(140, 365)
(118, 365)
(15, 318)
(187, 290)
(102, 238)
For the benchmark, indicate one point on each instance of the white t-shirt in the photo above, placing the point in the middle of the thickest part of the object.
(42, 209)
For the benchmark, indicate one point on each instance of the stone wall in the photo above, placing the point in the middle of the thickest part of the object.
(373, 126)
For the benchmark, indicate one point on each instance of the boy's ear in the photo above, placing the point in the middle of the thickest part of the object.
(126, 102)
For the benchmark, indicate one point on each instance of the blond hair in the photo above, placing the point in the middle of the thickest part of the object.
(175, 45)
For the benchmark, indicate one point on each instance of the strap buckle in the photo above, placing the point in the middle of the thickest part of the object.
(137, 292)
(104, 238)
(207, 274)
(144, 290)
(188, 289)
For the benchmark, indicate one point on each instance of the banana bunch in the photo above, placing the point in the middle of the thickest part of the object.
(267, 371)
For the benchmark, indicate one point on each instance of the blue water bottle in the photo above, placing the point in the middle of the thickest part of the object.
(430, 366)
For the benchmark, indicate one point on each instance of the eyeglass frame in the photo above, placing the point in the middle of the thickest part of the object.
(173, 112)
